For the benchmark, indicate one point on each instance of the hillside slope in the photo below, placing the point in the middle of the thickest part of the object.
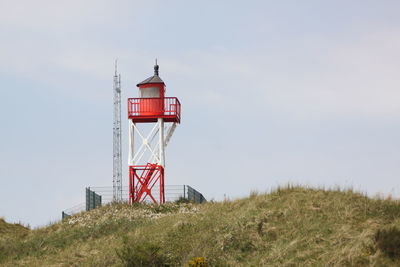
(12, 230)
(289, 227)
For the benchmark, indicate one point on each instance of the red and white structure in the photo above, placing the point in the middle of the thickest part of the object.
(146, 157)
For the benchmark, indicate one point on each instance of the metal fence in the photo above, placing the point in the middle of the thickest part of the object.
(100, 195)
(93, 200)
(74, 210)
(193, 195)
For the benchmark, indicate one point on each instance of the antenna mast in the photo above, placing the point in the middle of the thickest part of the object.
(117, 150)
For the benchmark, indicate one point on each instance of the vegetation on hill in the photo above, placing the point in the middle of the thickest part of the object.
(14, 230)
(288, 227)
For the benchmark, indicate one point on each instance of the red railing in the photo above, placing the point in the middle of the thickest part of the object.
(148, 109)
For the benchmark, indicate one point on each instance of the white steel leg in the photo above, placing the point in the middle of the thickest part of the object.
(161, 142)
(131, 142)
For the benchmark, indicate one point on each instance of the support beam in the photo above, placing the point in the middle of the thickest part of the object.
(131, 129)
(161, 141)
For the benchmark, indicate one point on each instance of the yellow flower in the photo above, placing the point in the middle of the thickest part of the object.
(198, 262)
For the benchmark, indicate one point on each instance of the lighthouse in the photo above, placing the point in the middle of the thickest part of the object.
(146, 153)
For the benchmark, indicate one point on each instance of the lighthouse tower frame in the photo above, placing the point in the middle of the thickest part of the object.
(146, 177)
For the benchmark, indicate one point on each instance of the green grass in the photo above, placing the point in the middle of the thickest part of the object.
(293, 226)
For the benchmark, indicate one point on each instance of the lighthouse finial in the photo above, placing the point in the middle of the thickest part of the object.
(156, 67)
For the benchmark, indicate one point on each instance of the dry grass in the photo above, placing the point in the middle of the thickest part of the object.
(293, 226)
(7, 229)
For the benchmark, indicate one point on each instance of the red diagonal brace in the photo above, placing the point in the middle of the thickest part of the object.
(142, 180)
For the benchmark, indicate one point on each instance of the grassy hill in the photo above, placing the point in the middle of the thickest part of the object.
(288, 227)
(15, 230)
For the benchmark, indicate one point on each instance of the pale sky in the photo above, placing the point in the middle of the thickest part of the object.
(306, 92)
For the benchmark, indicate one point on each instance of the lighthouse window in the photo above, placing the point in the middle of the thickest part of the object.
(150, 92)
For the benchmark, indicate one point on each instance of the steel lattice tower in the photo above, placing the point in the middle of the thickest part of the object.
(117, 149)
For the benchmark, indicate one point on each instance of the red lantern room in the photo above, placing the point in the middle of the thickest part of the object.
(152, 103)
(146, 178)
(151, 92)
(152, 87)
